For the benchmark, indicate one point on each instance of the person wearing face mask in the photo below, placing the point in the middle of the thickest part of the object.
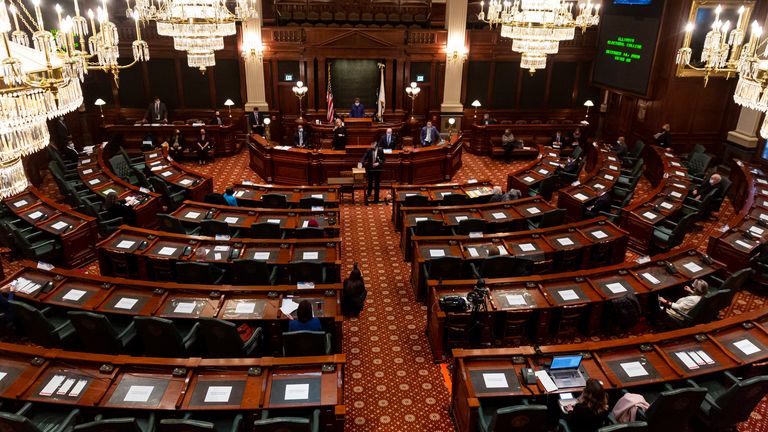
(620, 148)
(339, 135)
(176, 145)
(357, 110)
(388, 140)
(301, 137)
(683, 305)
(216, 120)
(712, 184)
(373, 161)
(157, 112)
(664, 138)
(429, 135)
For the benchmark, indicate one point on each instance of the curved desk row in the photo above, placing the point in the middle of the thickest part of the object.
(545, 165)
(250, 194)
(225, 137)
(586, 244)
(543, 306)
(487, 137)
(104, 383)
(475, 191)
(147, 254)
(196, 184)
(298, 166)
(626, 363)
(600, 174)
(76, 232)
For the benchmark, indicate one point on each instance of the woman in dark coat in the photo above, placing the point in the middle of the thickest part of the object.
(353, 297)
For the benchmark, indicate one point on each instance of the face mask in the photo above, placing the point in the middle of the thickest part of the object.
(357, 103)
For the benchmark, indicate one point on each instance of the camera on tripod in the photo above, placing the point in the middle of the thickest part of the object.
(477, 296)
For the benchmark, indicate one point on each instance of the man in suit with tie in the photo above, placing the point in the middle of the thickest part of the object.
(156, 112)
(373, 161)
(558, 138)
(388, 140)
(256, 121)
(339, 135)
(429, 135)
(357, 110)
(301, 137)
(216, 120)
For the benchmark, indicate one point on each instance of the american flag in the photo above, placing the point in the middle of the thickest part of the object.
(329, 98)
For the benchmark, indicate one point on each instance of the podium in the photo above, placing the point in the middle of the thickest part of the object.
(358, 122)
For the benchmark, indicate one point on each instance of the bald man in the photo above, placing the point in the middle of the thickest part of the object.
(388, 140)
(713, 183)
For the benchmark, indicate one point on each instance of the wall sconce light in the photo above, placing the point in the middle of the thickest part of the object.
(228, 103)
(267, 121)
(300, 91)
(100, 103)
(253, 50)
(476, 105)
(455, 54)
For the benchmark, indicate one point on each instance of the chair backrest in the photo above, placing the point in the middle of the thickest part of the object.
(678, 233)
(309, 202)
(305, 343)
(637, 149)
(698, 148)
(142, 179)
(577, 152)
(416, 201)
(251, 272)
(708, 306)
(274, 201)
(120, 165)
(717, 201)
(35, 325)
(445, 268)
(498, 266)
(698, 163)
(471, 225)
(636, 426)
(552, 218)
(160, 337)
(309, 233)
(454, 199)
(429, 227)
(171, 224)
(16, 423)
(215, 198)
(160, 186)
(95, 332)
(282, 424)
(520, 418)
(266, 230)
(124, 424)
(737, 280)
(197, 272)
(548, 186)
(212, 227)
(185, 425)
(738, 402)
(673, 409)
(307, 271)
(221, 338)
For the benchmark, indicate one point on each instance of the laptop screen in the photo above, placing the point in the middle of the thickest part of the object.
(565, 362)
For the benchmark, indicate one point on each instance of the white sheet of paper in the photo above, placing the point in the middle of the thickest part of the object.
(166, 251)
(608, 177)
(695, 357)
(221, 248)
(502, 250)
(616, 287)
(74, 295)
(613, 167)
(565, 241)
(239, 193)
(545, 380)
(495, 380)
(499, 215)
(756, 230)
(581, 197)
(216, 256)
(59, 225)
(20, 203)
(94, 181)
(515, 299)
(687, 360)
(650, 278)
(78, 388)
(262, 256)
(634, 369)
(680, 173)
(231, 220)
(693, 267)
(35, 215)
(52, 385)
(66, 386)
(305, 224)
(245, 308)
(274, 221)
(138, 394)
(410, 194)
(461, 218)
(192, 215)
(746, 346)
(568, 295)
(743, 244)
(666, 205)
(218, 394)
(534, 210)
(296, 392)
(86, 161)
(675, 194)
(186, 182)
(599, 234)
(166, 173)
(310, 255)
(473, 252)
(126, 244)
(598, 186)
(436, 253)
(126, 303)
(527, 247)
(185, 308)
(288, 306)
(649, 215)
(704, 356)
(320, 196)
(528, 179)
(543, 171)
(763, 216)
(2, 375)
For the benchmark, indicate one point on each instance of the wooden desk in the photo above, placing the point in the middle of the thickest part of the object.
(225, 137)
(297, 166)
(486, 137)
(77, 233)
(249, 194)
(196, 184)
(650, 359)
(603, 173)
(528, 176)
(360, 132)
(476, 191)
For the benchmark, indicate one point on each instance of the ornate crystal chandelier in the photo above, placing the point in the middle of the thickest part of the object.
(752, 67)
(197, 26)
(536, 27)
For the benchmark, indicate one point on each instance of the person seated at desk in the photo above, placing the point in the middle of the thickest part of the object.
(498, 196)
(601, 204)
(229, 197)
(204, 147)
(301, 137)
(571, 166)
(576, 137)
(590, 411)
(388, 140)
(558, 139)
(304, 319)
(216, 120)
(712, 184)
(429, 135)
(157, 112)
(664, 138)
(256, 121)
(339, 135)
(620, 148)
(176, 145)
(70, 152)
(114, 208)
(357, 110)
(487, 120)
(493, 250)
(684, 304)
(353, 297)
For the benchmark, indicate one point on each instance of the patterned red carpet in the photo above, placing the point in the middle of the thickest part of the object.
(391, 382)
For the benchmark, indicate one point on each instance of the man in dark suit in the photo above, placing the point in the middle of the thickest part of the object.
(388, 140)
(301, 137)
(601, 204)
(620, 148)
(339, 135)
(571, 166)
(664, 138)
(256, 121)
(373, 161)
(429, 135)
(357, 110)
(216, 120)
(558, 138)
(156, 112)
(487, 120)
(714, 183)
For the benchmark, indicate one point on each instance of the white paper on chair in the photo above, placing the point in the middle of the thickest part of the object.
(184, 308)
(515, 299)
(261, 256)
(245, 308)
(192, 215)
(499, 215)
(746, 346)
(74, 295)
(599, 234)
(125, 244)
(166, 251)
(534, 210)
(495, 380)
(310, 255)
(568, 295)
(565, 241)
(288, 306)
(231, 220)
(436, 253)
(650, 278)
(138, 394)
(693, 267)
(527, 247)
(296, 392)
(634, 369)
(616, 287)
(217, 394)
(126, 303)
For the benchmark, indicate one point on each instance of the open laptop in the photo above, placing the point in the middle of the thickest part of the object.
(564, 371)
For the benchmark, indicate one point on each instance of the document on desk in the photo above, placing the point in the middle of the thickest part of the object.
(186, 182)
(220, 248)
(59, 225)
(515, 299)
(2, 375)
(78, 388)
(288, 306)
(743, 244)
(138, 394)
(126, 303)
(274, 221)
(436, 253)
(649, 215)
(20, 203)
(581, 197)
(231, 220)
(192, 215)
(35, 215)
(704, 356)
(666, 205)
(634, 369)
(616, 287)
(310, 255)
(68, 383)
(261, 256)
(419, 219)
(545, 380)
(675, 194)
(746, 346)
(296, 392)
(495, 380)
(461, 218)
(239, 193)
(687, 360)
(693, 267)
(527, 247)
(650, 278)
(568, 295)
(318, 196)
(529, 179)
(499, 215)
(502, 250)
(52, 385)
(217, 394)
(305, 224)
(565, 241)
(167, 251)
(185, 308)
(473, 252)
(166, 173)
(533, 210)
(245, 308)
(599, 234)
(74, 295)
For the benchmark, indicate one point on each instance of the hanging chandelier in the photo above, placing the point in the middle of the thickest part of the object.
(197, 26)
(752, 87)
(536, 27)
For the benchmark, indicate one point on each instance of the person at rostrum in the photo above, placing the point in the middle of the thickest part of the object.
(713, 183)
(157, 112)
(357, 110)
(353, 297)
(697, 289)
(488, 120)
(590, 411)
(388, 140)
(229, 196)
(204, 147)
(558, 138)
(216, 120)
(429, 135)
(339, 135)
(301, 137)
(304, 319)
(373, 161)
(256, 121)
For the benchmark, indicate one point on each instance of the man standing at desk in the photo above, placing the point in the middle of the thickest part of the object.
(357, 110)
(388, 140)
(339, 135)
(429, 135)
(256, 120)
(301, 137)
(156, 112)
(373, 161)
